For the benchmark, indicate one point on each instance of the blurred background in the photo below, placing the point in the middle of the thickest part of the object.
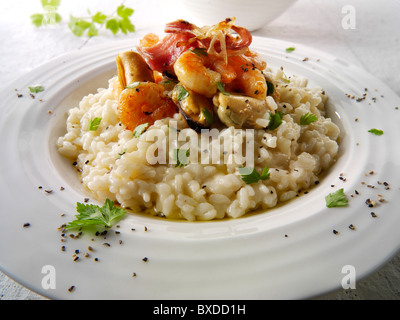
(361, 32)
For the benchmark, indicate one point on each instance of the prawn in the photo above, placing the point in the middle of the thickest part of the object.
(249, 80)
(192, 72)
(145, 103)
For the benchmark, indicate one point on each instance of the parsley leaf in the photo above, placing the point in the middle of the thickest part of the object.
(221, 88)
(121, 154)
(250, 175)
(181, 157)
(99, 17)
(336, 199)
(275, 120)
(290, 49)
(133, 85)
(37, 19)
(78, 26)
(376, 132)
(90, 25)
(307, 118)
(200, 51)
(94, 124)
(182, 93)
(285, 78)
(49, 16)
(124, 12)
(270, 88)
(140, 129)
(114, 23)
(52, 3)
(208, 115)
(90, 215)
(36, 89)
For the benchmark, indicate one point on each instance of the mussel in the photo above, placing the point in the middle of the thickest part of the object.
(241, 111)
(196, 109)
(132, 68)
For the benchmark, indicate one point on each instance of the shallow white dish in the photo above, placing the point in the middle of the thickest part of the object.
(290, 252)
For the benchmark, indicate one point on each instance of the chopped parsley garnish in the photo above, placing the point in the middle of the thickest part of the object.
(93, 215)
(36, 89)
(133, 85)
(221, 88)
(336, 199)
(94, 124)
(168, 81)
(376, 132)
(285, 78)
(120, 154)
(275, 120)
(181, 157)
(270, 88)
(250, 175)
(200, 51)
(182, 93)
(290, 49)
(208, 115)
(140, 129)
(307, 118)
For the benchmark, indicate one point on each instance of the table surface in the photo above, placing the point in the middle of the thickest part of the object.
(373, 44)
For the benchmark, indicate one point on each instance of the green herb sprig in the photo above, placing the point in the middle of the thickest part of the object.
(94, 215)
(140, 129)
(376, 132)
(49, 16)
(275, 120)
(270, 88)
(207, 115)
(181, 157)
(182, 93)
(120, 21)
(91, 24)
(336, 199)
(250, 175)
(221, 88)
(36, 89)
(94, 124)
(308, 118)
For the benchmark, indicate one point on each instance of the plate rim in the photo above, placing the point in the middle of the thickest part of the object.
(105, 45)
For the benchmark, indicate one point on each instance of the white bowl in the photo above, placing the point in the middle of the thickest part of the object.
(251, 14)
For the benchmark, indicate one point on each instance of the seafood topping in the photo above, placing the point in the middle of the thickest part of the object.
(132, 68)
(198, 61)
(145, 103)
(195, 108)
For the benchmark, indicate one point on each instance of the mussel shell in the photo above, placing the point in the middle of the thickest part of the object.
(193, 123)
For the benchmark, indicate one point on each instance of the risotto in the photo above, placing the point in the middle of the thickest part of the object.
(141, 169)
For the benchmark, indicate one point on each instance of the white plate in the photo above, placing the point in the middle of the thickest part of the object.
(289, 252)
